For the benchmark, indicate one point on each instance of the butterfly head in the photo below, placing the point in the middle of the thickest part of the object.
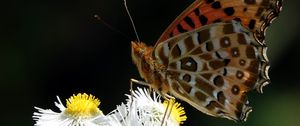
(137, 49)
(141, 55)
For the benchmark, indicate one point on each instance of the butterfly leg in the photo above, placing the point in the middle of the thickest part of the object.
(138, 82)
(169, 98)
(134, 81)
(167, 113)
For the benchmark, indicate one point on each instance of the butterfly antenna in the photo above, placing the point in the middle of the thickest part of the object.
(110, 27)
(132, 23)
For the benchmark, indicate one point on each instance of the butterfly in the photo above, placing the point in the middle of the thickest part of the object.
(211, 55)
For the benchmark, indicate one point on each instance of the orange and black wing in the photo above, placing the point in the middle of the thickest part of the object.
(255, 15)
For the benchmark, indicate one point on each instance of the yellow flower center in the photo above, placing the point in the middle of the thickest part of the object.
(177, 112)
(82, 106)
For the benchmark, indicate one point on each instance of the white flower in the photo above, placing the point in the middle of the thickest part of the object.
(142, 109)
(81, 110)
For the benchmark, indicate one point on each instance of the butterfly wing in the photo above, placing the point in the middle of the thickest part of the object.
(256, 15)
(213, 67)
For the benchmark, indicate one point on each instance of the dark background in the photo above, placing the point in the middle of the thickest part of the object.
(54, 47)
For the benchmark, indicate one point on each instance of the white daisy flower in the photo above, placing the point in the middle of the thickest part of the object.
(81, 110)
(145, 110)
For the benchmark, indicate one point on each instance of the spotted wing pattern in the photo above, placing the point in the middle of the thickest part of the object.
(255, 15)
(213, 67)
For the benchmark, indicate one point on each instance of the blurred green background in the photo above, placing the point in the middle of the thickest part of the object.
(54, 47)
